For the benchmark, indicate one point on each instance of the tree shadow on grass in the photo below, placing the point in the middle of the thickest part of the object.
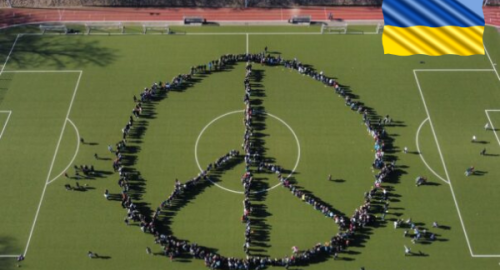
(7, 247)
(37, 51)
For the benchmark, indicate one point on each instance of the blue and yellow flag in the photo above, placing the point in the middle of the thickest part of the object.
(433, 27)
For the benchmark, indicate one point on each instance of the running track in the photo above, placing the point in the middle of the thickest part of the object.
(12, 16)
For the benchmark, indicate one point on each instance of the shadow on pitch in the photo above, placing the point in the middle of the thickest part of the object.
(73, 52)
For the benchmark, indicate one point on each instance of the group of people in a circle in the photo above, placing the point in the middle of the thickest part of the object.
(172, 247)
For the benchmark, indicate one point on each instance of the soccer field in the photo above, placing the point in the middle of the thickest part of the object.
(65, 98)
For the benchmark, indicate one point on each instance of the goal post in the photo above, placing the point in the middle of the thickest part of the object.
(334, 28)
(380, 28)
(59, 28)
(107, 27)
(162, 28)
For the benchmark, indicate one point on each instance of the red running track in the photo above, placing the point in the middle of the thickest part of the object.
(13, 16)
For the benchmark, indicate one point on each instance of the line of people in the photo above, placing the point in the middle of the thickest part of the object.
(251, 152)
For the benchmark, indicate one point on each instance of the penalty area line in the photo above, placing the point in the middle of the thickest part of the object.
(9, 256)
(52, 163)
(10, 52)
(441, 154)
(417, 136)
(6, 121)
(491, 123)
(74, 156)
(443, 162)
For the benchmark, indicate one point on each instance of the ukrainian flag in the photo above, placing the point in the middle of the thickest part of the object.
(433, 27)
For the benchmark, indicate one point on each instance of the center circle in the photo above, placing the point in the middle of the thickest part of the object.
(242, 111)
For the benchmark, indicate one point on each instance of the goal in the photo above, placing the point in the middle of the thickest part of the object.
(161, 28)
(334, 28)
(380, 28)
(58, 28)
(105, 27)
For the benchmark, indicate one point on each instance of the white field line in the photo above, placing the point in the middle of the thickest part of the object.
(9, 256)
(442, 159)
(256, 33)
(8, 56)
(444, 164)
(247, 43)
(52, 163)
(486, 256)
(452, 70)
(42, 71)
(491, 123)
(176, 23)
(417, 136)
(491, 61)
(190, 34)
(74, 156)
(241, 111)
(6, 121)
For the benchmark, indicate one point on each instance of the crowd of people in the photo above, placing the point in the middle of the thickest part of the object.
(173, 247)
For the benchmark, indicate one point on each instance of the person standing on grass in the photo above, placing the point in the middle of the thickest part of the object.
(407, 251)
(482, 153)
(487, 126)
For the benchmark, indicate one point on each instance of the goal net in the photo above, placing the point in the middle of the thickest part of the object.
(104, 27)
(57, 28)
(380, 28)
(161, 28)
(334, 28)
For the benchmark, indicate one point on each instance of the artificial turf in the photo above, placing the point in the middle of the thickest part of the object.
(332, 138)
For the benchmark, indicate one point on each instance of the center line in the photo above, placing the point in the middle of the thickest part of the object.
(247, 43)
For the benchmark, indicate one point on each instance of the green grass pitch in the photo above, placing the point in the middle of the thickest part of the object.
(56, 89)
